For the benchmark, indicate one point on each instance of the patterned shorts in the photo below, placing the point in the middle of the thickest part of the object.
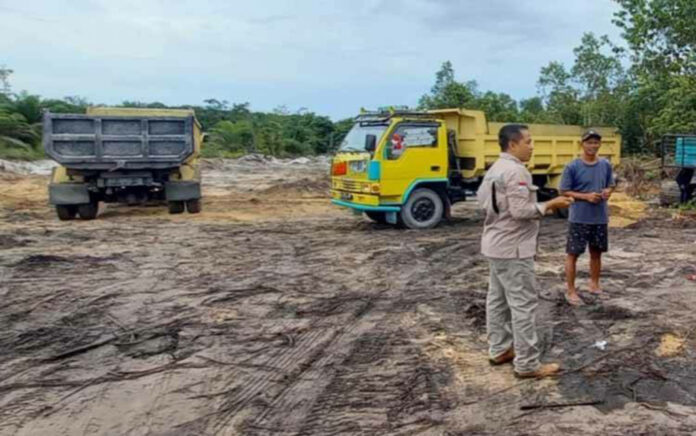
(582, 235)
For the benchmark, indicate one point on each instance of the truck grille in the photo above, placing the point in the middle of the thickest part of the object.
(350, 185)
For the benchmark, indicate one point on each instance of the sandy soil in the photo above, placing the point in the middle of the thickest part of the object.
(273, 312)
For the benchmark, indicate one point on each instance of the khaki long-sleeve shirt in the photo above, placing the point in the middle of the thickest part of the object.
(509, 199)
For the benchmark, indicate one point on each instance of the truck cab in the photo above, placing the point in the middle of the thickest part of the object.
(385, 159)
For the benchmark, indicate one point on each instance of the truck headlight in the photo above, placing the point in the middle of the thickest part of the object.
(358, 166)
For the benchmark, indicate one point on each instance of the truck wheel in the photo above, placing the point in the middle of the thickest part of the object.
(193, 206)
(670, 194)
(423, 210)
(88, 211)
(66, 212)
(378, 217)
(176, 207)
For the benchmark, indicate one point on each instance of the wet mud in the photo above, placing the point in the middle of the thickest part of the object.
(273, 312)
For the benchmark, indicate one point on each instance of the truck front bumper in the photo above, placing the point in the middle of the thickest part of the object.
(360, 202)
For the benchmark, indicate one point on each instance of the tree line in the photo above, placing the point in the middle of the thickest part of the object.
(645, 85)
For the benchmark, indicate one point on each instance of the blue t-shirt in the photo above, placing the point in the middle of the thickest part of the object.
(579, 176)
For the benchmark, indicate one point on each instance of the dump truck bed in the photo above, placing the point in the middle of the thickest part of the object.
(554, 145)
(107, 138)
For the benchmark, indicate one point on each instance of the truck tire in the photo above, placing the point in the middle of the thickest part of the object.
(88, 211)
(670, 194)
(176, 207)
(66, 212)
(378, 217)
(193, 206)
(423, 210)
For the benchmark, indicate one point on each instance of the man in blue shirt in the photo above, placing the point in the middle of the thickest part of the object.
(590, 182)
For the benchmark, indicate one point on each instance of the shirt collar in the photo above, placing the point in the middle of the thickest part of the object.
(508, 156)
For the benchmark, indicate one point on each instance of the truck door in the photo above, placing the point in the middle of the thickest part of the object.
(412, 152)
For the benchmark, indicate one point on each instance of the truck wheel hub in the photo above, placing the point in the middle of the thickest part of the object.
(423, 209)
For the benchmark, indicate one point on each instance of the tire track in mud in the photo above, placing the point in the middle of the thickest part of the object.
(384, 386)
(261, 403)
(243, 392)
(314, 373)
(299, 369)
(325, 398)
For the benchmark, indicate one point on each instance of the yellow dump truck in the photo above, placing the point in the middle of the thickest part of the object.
(404, 167)
(123, 155)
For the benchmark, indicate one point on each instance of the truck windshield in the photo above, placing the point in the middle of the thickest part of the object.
(355, 139)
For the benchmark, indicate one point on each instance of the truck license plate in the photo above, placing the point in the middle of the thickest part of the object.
(346, 196)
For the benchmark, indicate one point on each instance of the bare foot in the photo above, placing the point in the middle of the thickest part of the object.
(594, 289)
(573, 298)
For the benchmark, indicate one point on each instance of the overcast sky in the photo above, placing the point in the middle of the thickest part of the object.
(331, 57)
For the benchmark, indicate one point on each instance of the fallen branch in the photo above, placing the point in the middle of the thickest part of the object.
(560, 405)
(603, 357)
(488, 397)
(82, 349)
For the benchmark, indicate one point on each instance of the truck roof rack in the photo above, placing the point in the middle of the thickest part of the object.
(384, 114)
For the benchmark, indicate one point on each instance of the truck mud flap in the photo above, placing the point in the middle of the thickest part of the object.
(180, 191)
(68, 193)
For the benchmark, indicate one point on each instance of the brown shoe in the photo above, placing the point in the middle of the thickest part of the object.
(545, 370)
(506, 357)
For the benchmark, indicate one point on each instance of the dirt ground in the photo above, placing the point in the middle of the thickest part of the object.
(273, 312)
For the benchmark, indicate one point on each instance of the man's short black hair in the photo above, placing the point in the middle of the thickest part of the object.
(510, 132)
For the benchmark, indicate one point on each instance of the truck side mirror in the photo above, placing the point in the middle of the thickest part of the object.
(370, 143)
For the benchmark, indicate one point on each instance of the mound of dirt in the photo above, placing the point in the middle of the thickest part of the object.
(625, 210)
(318, 187)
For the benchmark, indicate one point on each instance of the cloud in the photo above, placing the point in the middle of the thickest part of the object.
(329, 56)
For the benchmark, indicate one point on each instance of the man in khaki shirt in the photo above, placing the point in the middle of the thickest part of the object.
(509, 241)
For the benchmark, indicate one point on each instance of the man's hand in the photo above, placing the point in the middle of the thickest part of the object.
(606, 194)
(593, 197)
(560, 202)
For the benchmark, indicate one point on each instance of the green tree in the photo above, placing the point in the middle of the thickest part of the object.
(601, 78)
(140, 104)
(532, 111)
(268, 138)
(661, 38)
(560, 98)
(660, 34)
(498, 107)
(341, 129)
(595, 70)
(29, 106)
(678, 106)
(16, 132)
(5, 88)
(447, 92)
(230, 137)
(68, 105)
